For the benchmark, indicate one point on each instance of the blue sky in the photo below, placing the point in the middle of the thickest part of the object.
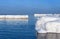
(29, 6)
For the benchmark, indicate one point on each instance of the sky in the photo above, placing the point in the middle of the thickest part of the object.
(29, 6)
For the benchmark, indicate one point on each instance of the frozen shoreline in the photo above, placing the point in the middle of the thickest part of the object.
(13, 17)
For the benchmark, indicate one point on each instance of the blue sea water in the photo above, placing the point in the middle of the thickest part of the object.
(18, 31)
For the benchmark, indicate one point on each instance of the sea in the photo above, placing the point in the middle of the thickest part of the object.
(17, 29)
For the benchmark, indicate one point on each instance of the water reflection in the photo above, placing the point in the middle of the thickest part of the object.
(16, 22)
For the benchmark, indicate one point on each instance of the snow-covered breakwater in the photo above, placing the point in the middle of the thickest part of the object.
(14, 19)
